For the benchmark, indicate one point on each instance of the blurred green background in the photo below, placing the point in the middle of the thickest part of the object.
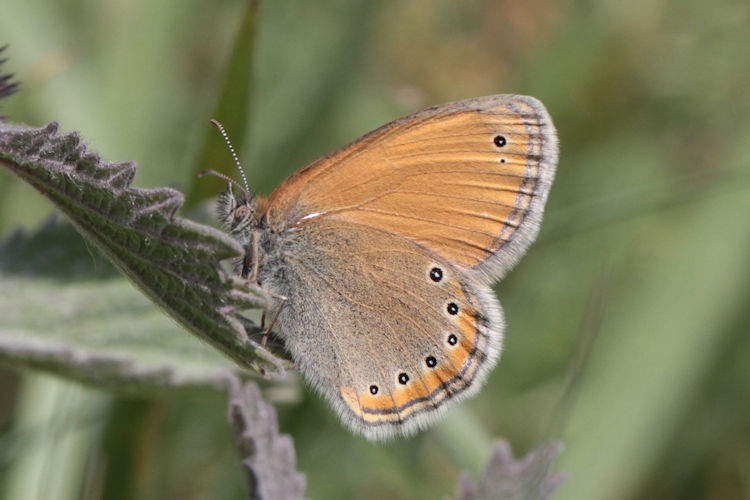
(627, 321)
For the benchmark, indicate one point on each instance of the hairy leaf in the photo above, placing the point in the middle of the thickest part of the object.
(267, 456)
(175, 262)
(509, 479)
(68, 311)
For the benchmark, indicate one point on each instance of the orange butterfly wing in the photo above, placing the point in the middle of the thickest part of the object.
(468, 180)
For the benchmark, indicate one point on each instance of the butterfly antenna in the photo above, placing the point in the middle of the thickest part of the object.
(211, 171)
(234, 155)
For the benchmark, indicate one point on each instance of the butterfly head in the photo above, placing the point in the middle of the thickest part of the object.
(238, 213)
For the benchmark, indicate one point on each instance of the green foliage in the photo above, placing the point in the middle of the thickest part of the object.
(232, 109)
(173, 261)
(67, 311)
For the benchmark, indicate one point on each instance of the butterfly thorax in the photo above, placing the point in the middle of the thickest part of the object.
(244, 216)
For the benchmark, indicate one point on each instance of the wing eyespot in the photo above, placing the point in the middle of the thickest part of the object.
(373, 389)
(452, 308)
(452, 339)
(436, 274)
(500, 141)
(430, 361)
(403, 378)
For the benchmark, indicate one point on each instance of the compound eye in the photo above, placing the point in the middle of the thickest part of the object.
(241, 213)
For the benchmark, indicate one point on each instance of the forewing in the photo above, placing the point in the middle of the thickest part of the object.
(467, 180)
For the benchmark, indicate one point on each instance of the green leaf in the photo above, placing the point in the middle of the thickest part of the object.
(175, 262)
(656, 346)
(232, 110)
(69, 312)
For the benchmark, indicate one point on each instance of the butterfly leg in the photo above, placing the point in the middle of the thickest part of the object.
(251, 261)
(273, 321)
(256, 259)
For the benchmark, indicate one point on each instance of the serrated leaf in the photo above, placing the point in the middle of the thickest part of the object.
(7, 86)
(174, 261)
(68, 311)
(267, 456)
(506, 478)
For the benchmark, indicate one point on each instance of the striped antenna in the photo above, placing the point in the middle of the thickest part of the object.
(211, 171)
(234, 155)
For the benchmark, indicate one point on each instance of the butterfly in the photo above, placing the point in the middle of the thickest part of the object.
(381, 256)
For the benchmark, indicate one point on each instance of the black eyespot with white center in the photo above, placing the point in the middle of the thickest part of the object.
(452, 339)
(500, 141)
(452, 308)
(373, 389)
(403, 378)
(436, 274)
(430, 361)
